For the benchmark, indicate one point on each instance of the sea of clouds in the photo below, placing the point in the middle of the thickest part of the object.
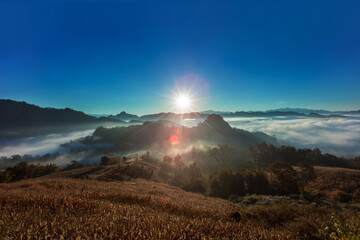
(338, 136)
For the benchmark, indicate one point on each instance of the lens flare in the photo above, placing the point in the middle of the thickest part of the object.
(174, 139)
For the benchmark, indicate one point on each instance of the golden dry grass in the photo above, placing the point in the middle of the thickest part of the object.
(104, 172)
(57, 206)
(86, 209)
(341, 184)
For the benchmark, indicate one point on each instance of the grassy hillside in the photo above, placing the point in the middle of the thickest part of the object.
(116, 202)
(86, 209)
(123, 171)
(141, 209)
(339, 184)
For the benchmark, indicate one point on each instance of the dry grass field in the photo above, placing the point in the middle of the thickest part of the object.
(86, 209)
(338, 184)
(58, 206)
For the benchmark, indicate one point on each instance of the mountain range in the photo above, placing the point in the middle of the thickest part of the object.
(283, 112)
(278, 114)
(14, 114)
(201, 115)
(214, 130)
(289, 111)
(308, 111)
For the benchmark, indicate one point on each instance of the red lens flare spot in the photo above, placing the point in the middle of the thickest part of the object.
(174, 139)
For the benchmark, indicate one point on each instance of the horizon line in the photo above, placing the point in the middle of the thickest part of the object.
(157, 112)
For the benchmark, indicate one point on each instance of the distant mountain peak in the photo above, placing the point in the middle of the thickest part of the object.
(217, 122)
(124, 116)
(214, 130)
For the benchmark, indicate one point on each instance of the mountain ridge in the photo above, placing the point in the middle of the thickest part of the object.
(20, 114)
(15, 114)
(124, 116)
(213, 130)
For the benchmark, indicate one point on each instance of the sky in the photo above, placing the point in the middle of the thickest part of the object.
(109, 56)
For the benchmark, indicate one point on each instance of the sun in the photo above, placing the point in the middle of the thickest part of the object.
(183, 102)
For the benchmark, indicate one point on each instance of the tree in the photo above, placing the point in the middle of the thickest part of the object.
(74, 165)
(220, 154)
(178, 161)
(285, 178)
(109, 160)
(105, 160)
(194, 180)
(167, 160)
(255, 181)
(224, 183)
(307, 172)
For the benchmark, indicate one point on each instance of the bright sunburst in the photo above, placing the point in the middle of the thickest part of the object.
(183, 102)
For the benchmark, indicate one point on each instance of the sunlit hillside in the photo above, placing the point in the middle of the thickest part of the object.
(115, 201)
(140, 209)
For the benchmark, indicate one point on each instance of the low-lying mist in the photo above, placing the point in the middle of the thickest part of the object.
(40, 144)
(338, 136)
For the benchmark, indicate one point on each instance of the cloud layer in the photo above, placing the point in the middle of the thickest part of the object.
(40, 144)
(338, 136)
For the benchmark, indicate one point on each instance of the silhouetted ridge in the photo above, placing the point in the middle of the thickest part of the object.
(216, 122)
(124, 116)
(213, 130)
(172, 116)
(21, 114)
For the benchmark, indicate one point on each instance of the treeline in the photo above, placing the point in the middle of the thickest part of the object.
(187, 176)
(227, 171)
(24, 170)
(262, 155)
(279, 178)
(222, 171)
(16, 159)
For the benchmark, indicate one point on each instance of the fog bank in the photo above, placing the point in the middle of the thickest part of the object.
(338, 136)
(40, 144)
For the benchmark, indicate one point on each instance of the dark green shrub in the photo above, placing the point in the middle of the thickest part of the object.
(224, 183)
(74, 165)
(284, 178)
(109, 160)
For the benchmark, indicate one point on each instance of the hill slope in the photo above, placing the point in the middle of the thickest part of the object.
(68, 208)
(21, 115)
(72, 204)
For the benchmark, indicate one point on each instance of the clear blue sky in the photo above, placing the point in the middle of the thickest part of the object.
(109, 56)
